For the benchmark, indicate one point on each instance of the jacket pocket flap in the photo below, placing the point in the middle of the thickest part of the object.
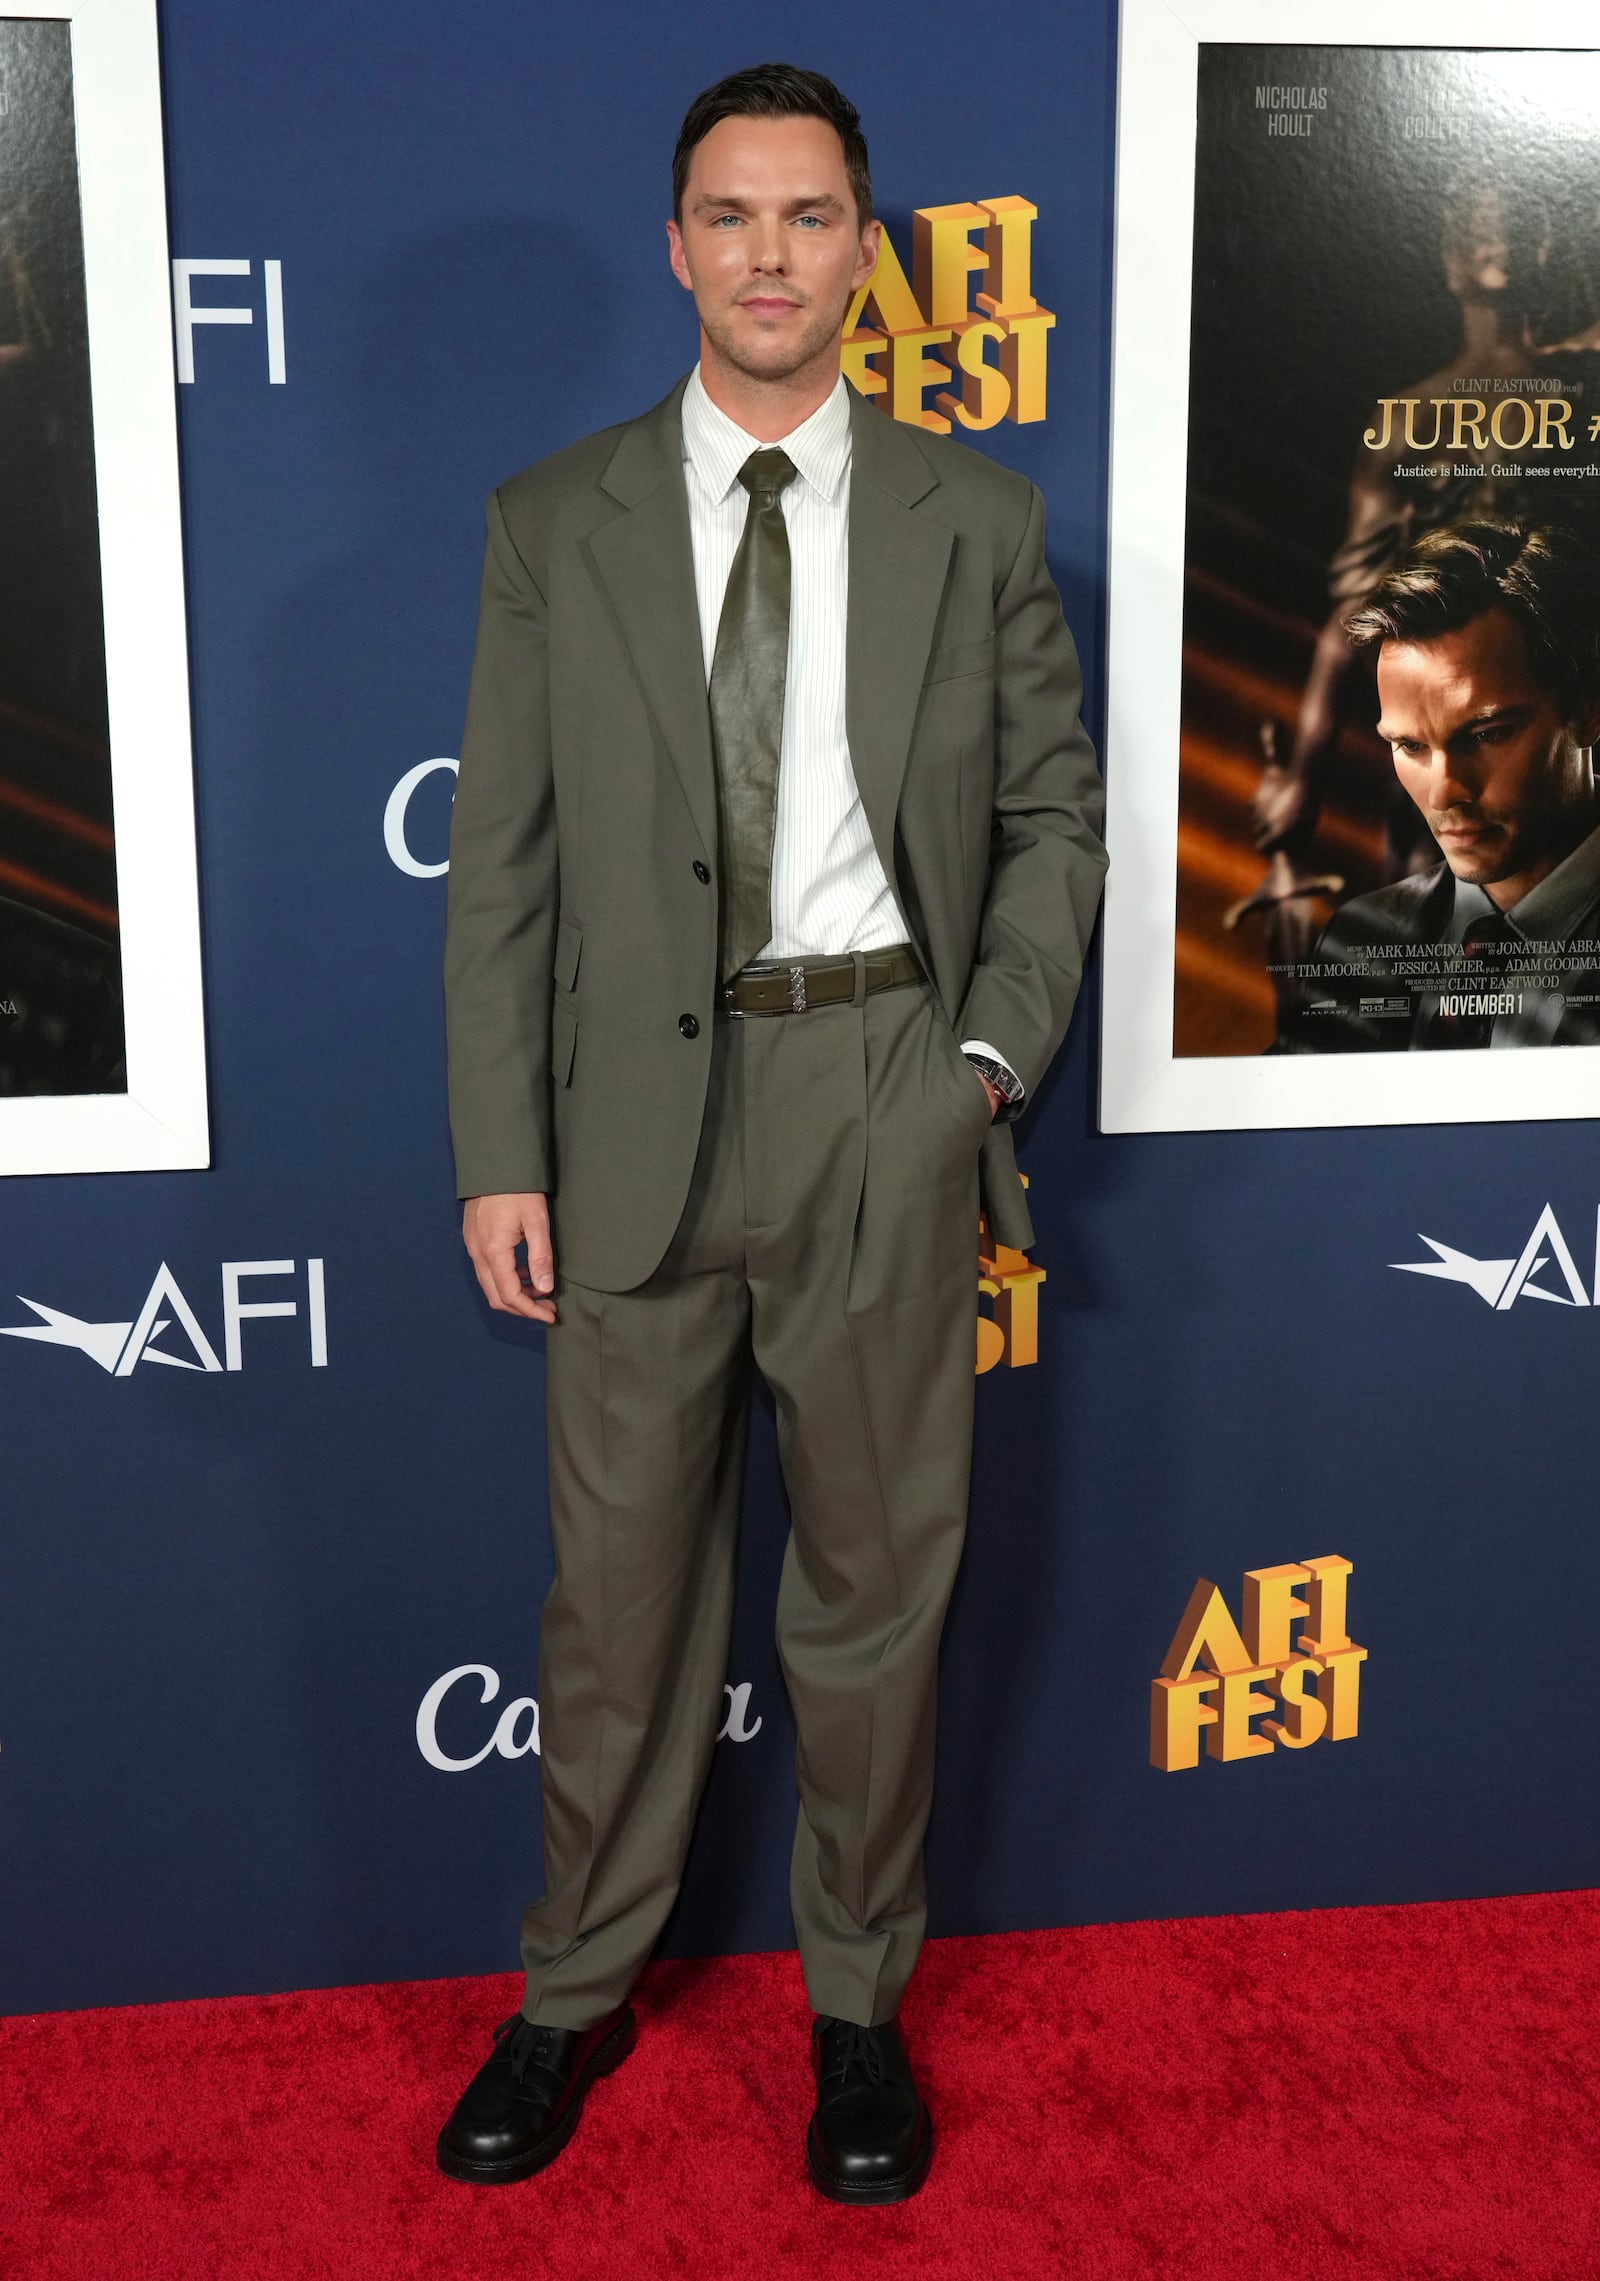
(569, 945)
(952, 659)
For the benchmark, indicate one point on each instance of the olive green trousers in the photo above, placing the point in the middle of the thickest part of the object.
(828, 1241)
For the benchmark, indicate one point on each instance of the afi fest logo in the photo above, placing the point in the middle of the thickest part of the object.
(515, 1733)
(1219, 1676)
(1010, 1282)
(120, 1347)
(970, 297)
(1500, 1283)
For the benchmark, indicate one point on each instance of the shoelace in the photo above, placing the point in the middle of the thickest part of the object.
(854, 2047)
(524, 2043)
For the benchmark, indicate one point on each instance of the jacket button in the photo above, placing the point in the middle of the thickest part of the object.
(702, 874)
(688, 1025)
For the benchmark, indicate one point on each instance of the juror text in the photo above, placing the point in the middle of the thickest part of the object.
(972, 299)
(1514, 424)
(1311, 1689)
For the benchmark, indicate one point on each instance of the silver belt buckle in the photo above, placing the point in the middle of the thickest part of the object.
(797, 989)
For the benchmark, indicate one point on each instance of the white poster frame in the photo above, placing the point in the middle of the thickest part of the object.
(160, 1123)
(1144, 1086)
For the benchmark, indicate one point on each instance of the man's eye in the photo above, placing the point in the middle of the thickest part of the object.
(809, 221)
(1491, 736)
(717, 220)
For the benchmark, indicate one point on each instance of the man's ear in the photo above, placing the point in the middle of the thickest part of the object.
(675, 257)
(867, 256)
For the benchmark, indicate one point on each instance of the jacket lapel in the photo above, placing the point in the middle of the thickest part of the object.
(898, 565)
(645, 562)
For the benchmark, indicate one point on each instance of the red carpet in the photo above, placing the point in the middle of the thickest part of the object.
(1383, 2093)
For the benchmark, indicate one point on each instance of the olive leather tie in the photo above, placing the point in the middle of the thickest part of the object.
(748, 670)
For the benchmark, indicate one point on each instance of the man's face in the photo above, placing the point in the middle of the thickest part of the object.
(1506, 786)
(770, 245)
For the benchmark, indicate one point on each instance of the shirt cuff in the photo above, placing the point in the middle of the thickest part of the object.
(993, 1053)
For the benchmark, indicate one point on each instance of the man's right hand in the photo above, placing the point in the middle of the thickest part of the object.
(491, 1228)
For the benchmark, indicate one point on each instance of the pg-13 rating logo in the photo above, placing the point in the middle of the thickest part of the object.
(1220, 1678)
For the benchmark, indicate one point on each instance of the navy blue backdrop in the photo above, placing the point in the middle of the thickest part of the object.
(224, 1603)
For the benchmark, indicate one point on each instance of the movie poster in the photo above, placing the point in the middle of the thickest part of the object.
(1388, 830)
(61, 1014)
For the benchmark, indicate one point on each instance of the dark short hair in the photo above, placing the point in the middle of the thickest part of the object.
(1543, 575)
(775, 91)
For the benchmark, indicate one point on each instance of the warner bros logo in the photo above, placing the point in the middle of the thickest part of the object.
(1219, 1678)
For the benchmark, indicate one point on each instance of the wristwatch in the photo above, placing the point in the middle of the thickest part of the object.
(1006, 1083)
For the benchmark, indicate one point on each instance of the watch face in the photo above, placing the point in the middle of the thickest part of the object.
(1008, 1087)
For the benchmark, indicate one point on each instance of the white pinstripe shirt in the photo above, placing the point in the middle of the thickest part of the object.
(829, 893)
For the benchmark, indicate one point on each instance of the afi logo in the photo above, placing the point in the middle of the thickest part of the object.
(1219, 1676)
(186, 314)
(515, 1733)
(120, 1347)
(1500, 1283)
(972, 302)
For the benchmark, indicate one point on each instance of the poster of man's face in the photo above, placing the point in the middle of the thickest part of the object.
(1395, 337)
(1484, 639)
(61, 1019)
(1504, 784)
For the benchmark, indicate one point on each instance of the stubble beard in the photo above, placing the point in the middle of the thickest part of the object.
(1520, 843)
(1476, 868)
(774, 359)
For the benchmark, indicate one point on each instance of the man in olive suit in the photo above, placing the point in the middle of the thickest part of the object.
(775, 854)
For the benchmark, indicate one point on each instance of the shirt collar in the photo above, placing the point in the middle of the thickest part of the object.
(716, 447)
(1548, 912)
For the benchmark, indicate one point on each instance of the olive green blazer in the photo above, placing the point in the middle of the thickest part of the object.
(580, 957)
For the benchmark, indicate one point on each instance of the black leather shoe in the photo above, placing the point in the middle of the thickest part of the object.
(523, 2104)
(871, 2138)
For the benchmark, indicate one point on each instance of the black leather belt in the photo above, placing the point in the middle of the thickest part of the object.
(772, 987)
